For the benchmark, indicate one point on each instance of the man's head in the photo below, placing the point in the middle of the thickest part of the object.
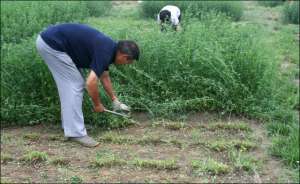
(165, 16)
(127, 51)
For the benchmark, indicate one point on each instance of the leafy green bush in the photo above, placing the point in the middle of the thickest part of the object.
(211, 65)
(22, 19)
(98, 8)
(291, 12)
(271, 3)
(195, 8)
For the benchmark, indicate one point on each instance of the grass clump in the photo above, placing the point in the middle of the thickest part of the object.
(115, 138)
(242, 161)
(148, 139)
(107, 159)
(174, 125)
(291, 12)
(32, 136)
(54, 137)
(33, 157)
(287, 147)
(59, 161)
(223, 145)
(156, 164)
(241, 126)
(210, 166)
(6, 158)
(76, 179)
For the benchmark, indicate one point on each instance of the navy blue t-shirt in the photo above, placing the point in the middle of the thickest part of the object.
(87, 47)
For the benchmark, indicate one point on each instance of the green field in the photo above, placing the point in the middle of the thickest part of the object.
(216, 102)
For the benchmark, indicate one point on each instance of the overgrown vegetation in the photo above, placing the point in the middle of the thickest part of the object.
(291, 12)
(22, 19)
(271, 3)
(211, 65)
(194, 8)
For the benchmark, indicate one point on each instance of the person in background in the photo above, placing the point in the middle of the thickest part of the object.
(67, 48)
(169, 15)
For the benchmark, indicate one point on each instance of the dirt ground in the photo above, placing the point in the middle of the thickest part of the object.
(198, 138)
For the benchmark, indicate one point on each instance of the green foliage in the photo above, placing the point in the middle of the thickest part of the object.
(76, 179)
(287, 147)
(35, 157)
(271, 3)
(23, 19)
(291, 12)
(98, 8)
(243, 161)
(107, 159)
(211, 166)
(194, 8)
(156, 164)
(28, 91)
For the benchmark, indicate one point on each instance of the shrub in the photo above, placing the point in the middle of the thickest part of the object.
(23, 19)
(291, 12)
(98, 8)
(196, 8)
(271, 3)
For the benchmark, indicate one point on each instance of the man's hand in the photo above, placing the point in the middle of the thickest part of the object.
(99, 108)
(117, 105)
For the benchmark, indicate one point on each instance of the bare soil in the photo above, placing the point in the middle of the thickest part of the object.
(50, 140)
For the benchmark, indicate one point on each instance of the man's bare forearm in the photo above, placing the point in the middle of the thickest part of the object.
(106, 82)
(92, 88)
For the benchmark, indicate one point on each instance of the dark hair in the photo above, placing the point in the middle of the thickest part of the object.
(130, 48)
(164, 16)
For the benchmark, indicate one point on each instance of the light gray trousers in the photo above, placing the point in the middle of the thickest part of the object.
(70, 84)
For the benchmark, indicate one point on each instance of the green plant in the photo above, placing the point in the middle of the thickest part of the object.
(194, 8)
(23, 19)
(291, 12)
(156, 164)
(34, 157)
(271, 3)
(107, 159)
(287, 147)
(242, 161)
(98, 8)
(241, 126)
(211, 166)
(76, 179)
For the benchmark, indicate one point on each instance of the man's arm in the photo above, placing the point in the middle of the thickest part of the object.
(106, 82)
(92, 88)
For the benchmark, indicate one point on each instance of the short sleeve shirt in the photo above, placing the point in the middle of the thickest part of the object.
(87, 47)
